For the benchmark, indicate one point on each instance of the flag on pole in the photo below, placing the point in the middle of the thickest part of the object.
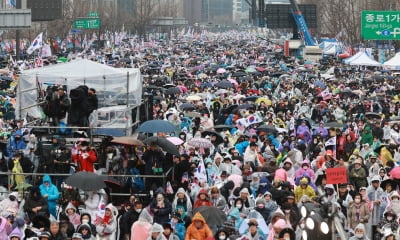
(36, 44)
(331, 142)
(201, 173)
(326, 94)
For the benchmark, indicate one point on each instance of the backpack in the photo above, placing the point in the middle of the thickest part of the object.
(136, 182)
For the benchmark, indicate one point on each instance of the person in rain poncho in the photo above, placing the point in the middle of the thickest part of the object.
(374, 193)
(50, 192)
(304, 189)
(5, 228)
(9, 205)
(198, 229)
(359, 233)
(86, 231)
(141, 228)
(156, 232)
(182, 199)
(73, 216)
(106, 226)
(15, 235)
(92, 202)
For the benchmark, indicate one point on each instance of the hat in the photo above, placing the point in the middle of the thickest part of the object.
(252, 221)
(244, 190)
(304, 180)
(375, 179)
(156, 228)
(46, 234)
(77, 236)
(342, 185)
(229, 225)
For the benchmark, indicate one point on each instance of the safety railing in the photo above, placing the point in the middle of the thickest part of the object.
(59, 176)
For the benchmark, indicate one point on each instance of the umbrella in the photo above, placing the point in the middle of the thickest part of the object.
(221, 91)
(111, 182)
(260, 220)
(213, 216)
(236, 179)
(333, 125)
(166, 145)
(348, 94)
(200, 142)
(158, 98)
(175, 140)
(373, 115)
(224, 84)
(193, 98)
(229, 109)
(152, 87)
(267, 129)
(320, 84)
(251, 98)
(202, 76)
(265, 100)
(209, 132)
(186, 106)
(86, 181)
(23, 186)
(223, 126)
(221, 70)
(173, 91)
(245, 106)
(238, 96)
(130, 141)
(239, 74)
(109, 132)
(395, 173)
(192, 114)
(155, 126)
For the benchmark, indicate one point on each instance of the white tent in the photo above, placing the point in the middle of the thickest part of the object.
(107, 81)
(361, 59)
(364, 60)
(393, 63)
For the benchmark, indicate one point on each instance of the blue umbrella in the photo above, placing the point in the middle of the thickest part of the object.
(109, 132)
(320, 84)
(155, 126)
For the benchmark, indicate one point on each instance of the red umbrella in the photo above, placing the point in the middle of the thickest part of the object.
(395, 173)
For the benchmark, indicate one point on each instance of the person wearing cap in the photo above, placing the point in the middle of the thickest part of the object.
(358, 175)
(304, 189)
(198, 229)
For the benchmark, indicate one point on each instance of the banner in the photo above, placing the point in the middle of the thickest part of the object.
(336, 175)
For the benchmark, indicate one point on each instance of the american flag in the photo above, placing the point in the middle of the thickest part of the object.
(39, 62)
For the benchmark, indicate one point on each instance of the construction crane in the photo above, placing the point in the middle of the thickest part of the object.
(301, 24)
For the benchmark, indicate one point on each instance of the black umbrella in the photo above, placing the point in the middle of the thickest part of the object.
(229, 109)
(373, 115)
(158, 98)
(186, 106)
(210, 133)
(155, 126)
(173, 90)
(223, 126)
(267, 129)
(213, 216)
(86, 181)
(251, 98)
(152, 87)
(111, 182)
(224, 84)
(239, 74)
(348, 94)
(246, 106)
(166, 145)
(333, 125)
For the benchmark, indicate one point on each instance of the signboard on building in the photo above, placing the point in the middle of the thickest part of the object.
(380, 25)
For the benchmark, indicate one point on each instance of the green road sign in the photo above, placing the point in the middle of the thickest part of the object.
(380, 25)
(93, 14)
(86, 23)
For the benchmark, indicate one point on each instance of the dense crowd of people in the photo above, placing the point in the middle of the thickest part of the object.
(256, 133)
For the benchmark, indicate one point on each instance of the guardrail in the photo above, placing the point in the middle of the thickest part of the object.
(164, 177)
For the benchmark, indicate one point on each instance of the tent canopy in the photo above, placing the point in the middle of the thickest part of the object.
(108, 81)
(362, 59)
(393, 63)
